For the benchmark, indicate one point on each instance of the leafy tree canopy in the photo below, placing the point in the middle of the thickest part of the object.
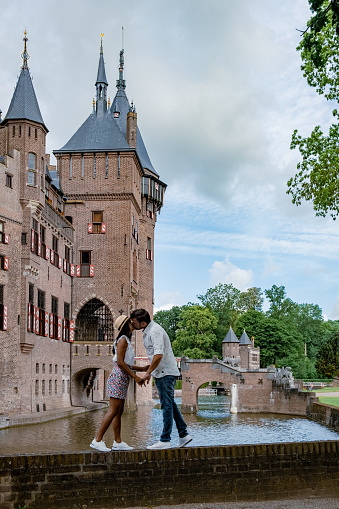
(317, 177)
(328, 357)
(195, 336)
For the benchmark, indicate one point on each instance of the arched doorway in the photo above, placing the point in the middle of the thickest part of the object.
(213, 399)
(94, 322)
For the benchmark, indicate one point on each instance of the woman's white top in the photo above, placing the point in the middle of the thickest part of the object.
(129, 355)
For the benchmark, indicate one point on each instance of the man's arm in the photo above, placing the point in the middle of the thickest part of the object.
(154, 364)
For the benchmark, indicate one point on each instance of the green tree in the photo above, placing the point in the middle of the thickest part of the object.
(317, 178)
(251, 299)
(195, 336)
(276, 340)
(223, 301)
(328, 357)
(280, 307)
(169, 319)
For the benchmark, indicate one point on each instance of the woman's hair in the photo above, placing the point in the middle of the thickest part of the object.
(141, 315)
(125, 330)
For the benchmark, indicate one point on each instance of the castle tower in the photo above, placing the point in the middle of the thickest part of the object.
(113, 197)
(230, 345)
(34, 288)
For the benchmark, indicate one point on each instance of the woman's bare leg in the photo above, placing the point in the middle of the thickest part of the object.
(117, 422)
(113, 411)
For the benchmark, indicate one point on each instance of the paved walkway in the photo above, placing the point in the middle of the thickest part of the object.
(310, 503)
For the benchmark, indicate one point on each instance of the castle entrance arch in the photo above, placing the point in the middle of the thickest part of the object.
(91, 353)
(94, 322)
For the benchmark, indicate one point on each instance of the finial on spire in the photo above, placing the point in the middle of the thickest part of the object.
(121, 82)
(101, 48)
(25, 56)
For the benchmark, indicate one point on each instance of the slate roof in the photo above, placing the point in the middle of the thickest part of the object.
(230, 337)
(24, 104)
(105, 132)
(245, 340)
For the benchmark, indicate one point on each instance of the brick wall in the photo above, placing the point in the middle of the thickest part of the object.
(173, 476)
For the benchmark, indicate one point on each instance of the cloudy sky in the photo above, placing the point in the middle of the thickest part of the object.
(218, 90)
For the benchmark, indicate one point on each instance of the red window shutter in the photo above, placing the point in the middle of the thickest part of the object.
(47, 252)
(71, 331)
(46, 323)
(91, 270)
(72, 270)
(37, 320)
(6, 238)
(4, 318)
(151, 255)
(6, 263)
(78, 270)
(59, 327)
(52, 256)
(60, 262)
(64, 330)
(39, 245)
(90, 228)
(65, 265)
(32, 241)
(29, 314)
(33, 321)
(50, 325)
(103, 227)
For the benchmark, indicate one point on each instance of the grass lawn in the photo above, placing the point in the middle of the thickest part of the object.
(329, 401)
(327, 389)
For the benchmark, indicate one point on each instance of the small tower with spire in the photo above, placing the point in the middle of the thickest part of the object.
(25, 130)
(101, 84)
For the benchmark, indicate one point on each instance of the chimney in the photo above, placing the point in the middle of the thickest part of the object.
(132, 128)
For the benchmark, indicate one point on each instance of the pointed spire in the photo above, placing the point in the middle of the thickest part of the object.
(24, 104)
(101, 76)
(101, 84)
(230, 337)
(121, 83)
(245, 340)
(25, 56)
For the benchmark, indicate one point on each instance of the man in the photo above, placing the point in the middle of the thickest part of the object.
(164, 369)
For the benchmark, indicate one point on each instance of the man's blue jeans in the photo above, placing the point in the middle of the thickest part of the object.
(170, 411)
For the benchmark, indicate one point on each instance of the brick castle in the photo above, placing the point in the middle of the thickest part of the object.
(76, 247)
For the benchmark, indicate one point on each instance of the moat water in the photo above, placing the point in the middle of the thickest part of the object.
(213, 425)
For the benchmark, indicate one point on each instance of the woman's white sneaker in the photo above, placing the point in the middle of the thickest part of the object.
(100, 446)
(121, 446)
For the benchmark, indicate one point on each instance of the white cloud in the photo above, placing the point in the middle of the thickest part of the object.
(227, 272)
(334, 313)
(166, 300)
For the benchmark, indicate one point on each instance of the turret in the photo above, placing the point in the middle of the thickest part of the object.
(101, 84)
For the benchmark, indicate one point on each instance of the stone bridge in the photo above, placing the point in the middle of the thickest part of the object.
(256, 388)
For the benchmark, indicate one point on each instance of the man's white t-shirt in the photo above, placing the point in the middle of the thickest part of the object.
(157, 342)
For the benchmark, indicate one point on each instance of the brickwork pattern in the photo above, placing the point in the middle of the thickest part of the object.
(173, 476)
(257, 391)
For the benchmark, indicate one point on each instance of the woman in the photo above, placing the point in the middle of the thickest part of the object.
(117, 385)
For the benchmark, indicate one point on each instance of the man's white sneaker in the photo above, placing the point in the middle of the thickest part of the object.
(100, 446)
(160, 445)
(184, 441)
(121, 446)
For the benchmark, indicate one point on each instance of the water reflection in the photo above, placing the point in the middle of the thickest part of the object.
(213, 425)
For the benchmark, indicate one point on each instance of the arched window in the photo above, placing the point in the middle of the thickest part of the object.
(31, 169)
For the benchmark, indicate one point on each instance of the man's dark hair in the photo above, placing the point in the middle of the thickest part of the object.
(141, 315)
